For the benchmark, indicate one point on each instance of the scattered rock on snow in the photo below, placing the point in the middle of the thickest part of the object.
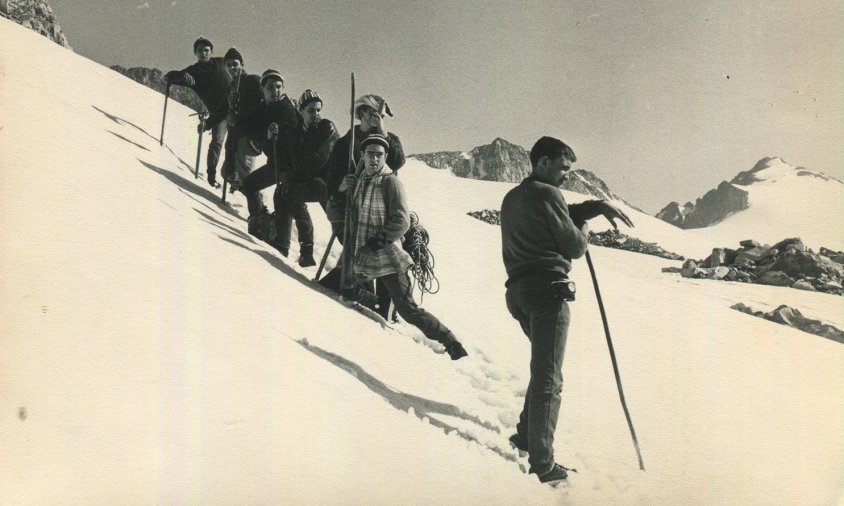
(791, 317)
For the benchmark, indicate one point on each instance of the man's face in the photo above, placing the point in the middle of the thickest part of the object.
(374, 157)
(553, 172)
(273, 90)
(233, 67)
(370, 118)
(203, 54)
(311, 113)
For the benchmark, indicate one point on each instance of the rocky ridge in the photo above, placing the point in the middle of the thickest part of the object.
(608, 238)
(37, 15)
(154, 78)
(732, 197)
(713, 207)
(507, 162)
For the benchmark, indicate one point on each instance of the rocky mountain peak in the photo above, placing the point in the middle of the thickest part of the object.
(37, 15)
(502, 160)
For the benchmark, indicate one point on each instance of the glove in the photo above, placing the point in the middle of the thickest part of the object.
(377, 242)
(188, 79)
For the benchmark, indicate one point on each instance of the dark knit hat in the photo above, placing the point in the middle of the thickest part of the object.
(270, 73)
(307, 97)
(375, 137)
(233, 54)
(202, 41)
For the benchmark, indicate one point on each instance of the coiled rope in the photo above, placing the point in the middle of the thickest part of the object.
(415, 243)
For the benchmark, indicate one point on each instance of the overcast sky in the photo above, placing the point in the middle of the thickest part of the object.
(662, 100)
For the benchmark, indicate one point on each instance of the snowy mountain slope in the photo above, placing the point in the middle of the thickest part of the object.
(784, 201)
(150, 349)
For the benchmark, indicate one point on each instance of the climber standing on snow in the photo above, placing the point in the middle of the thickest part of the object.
(245, 96)
(379, 219)
(371, 110)
(209, 79)
(540, 236)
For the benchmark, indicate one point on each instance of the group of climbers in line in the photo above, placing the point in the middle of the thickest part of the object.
(308, 161)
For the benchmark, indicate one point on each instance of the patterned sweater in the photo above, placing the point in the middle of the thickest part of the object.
(380, 208)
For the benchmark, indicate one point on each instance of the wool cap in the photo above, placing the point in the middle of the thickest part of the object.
(376, 102)
(202, 41)
(307, 97)
(270, 73)
(375, 137)
(233, 54)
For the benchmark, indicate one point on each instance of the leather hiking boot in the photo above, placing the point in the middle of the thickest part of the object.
(212, 180)
(455, 350)
(306, 255)
(556, 474)
(519, 444)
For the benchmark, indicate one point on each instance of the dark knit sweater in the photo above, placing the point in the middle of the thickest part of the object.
(539, 231)
(211, 83)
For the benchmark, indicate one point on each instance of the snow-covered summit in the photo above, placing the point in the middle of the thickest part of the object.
(770, 202)
(773, 169)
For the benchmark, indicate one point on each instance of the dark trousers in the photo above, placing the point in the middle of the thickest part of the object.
(218, 136)
(290, 201)
(545, 321)
(400, 290)
(257, 180)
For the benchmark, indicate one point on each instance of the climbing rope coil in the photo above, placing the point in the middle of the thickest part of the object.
(415, 243)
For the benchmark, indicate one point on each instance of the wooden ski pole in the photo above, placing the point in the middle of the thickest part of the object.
(164, 116)
(614, 362)
(199, 142)
(345, 260)
(325, 255)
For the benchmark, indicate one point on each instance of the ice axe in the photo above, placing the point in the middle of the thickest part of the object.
(164, 116)
(202, 114)
(614, 362)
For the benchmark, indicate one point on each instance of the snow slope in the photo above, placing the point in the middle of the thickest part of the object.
(785, 201)
(152, 352)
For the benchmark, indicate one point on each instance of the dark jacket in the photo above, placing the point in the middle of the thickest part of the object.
(338, 164)
(250, 100)
(211, 84)
(315, 150)
(254, 126)
(539, 232)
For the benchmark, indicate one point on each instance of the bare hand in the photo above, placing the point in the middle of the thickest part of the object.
(612, 213)
(188, 79)
(272, 130)
(348, 182)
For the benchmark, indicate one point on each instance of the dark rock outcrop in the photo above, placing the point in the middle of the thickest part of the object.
(607, 238)
(498, 161)
(713, 207)
(154, 78)
(791, 317)
(504, 161)
(37, 15)
(787, 263)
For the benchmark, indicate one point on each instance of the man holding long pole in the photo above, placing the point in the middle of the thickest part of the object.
(541, 235)
(209, 79)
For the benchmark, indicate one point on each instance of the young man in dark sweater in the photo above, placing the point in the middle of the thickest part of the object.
(245, 97)
(306, 141)
(540, 236)
(209, 79)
